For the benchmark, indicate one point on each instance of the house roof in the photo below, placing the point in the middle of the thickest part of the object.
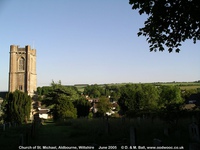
(43, 111)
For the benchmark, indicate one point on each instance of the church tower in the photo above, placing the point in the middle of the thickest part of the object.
(22, 71)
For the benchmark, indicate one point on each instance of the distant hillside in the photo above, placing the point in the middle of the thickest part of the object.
(182, 85)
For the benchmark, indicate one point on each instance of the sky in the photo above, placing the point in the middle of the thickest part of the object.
(89, 42)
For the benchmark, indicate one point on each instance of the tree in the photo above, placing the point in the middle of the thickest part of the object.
(39, 90)
(127, 100)
(83, 107)
(60, 100)
(170, 101)
(187, 93)
(107, 90)
(139, 98)
(64, 108)
(149, 97)
(17, 107)
(43, 90)
(115, 92)
(169, 22)
(103, 106)
(94, 91)
(170, 95)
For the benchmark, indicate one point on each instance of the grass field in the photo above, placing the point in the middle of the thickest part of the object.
(190, 87)
(182, 85)
(80, 88)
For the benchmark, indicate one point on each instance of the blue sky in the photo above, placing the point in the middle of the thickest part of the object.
(89, 42)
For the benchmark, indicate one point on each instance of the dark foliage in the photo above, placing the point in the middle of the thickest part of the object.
(83, 107)
(146, 98)
(60, 101)
(17, 107)
(169, 22)
(94, 91)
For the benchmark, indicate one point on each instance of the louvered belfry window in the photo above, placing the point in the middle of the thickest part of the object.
(21, 64)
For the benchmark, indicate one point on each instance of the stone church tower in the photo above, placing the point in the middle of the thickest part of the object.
(22, 72)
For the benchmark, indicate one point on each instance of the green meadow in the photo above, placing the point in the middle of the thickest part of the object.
(182, 85)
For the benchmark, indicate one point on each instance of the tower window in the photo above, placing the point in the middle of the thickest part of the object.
(20, 87)
(21, 64)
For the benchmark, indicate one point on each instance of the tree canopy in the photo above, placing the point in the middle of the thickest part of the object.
(83, 107)
(133, 100)
(147, 98)
(17, 107)
(60, 100)
(103, 105)
(94, 91)
(169, 22)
